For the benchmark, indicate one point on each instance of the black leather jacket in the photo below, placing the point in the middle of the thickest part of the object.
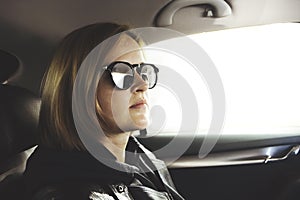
(57, 175)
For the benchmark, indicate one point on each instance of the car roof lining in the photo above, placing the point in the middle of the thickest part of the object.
(38, 26)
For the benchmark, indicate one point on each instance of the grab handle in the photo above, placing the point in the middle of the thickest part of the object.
(165, 17)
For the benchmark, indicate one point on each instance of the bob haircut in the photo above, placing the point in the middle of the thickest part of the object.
(56, 125)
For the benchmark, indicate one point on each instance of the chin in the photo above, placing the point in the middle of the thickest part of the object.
(140, 125)
(135, 126)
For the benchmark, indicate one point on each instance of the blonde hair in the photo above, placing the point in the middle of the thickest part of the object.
(57, 128)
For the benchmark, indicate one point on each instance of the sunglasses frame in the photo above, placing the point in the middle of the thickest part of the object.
(138, 67)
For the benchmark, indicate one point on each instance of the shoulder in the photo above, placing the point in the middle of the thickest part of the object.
(80, 191)
(66, 191)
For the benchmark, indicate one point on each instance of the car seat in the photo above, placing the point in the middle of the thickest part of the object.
(19, 112)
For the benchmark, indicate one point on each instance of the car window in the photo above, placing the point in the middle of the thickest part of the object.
(259, 69)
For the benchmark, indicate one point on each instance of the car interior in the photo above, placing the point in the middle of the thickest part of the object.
(255, 156)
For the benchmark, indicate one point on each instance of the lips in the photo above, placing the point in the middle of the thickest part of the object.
(139, 104)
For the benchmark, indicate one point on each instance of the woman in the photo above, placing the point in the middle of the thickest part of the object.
(62, 167)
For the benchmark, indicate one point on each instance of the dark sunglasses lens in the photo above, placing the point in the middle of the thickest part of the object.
(148, 74)
(122, 75)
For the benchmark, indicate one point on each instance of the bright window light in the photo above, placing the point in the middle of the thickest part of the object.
(260, 70)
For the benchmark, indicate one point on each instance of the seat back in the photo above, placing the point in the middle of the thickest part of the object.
(9, 66)
(19, 113)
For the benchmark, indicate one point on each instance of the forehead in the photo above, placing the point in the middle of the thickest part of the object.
(125, 49)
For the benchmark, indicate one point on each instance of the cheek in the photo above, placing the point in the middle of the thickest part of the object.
(114, 104)
(120, 103)
(104, 94)
(114, 108)
(104, 99)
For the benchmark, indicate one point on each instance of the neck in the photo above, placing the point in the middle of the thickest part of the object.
(116, 144)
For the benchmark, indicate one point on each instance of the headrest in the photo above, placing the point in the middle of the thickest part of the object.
(19, 113)
(9, 65)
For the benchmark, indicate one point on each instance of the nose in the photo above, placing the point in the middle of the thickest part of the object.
(139, 84)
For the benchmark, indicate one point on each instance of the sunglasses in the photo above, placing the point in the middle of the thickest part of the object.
(122, 73)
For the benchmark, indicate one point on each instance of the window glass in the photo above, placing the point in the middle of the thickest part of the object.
(260, 71)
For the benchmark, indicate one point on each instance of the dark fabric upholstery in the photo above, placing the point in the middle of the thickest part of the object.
(19, 111)
(9, 65)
